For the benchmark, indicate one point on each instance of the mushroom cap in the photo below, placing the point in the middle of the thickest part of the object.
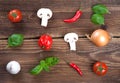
(44, 12)
(71, 37)
(13, 67)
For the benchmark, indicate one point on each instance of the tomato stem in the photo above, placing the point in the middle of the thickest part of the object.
(100, 68)
(14, 15)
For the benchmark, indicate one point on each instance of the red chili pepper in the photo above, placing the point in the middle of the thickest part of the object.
(74, 66)
(75, 17)
(45, 42)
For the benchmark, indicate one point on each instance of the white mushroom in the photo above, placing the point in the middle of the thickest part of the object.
(44, 14)
(13, 67)
(71, 38)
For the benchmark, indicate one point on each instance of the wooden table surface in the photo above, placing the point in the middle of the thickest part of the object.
(29, 54)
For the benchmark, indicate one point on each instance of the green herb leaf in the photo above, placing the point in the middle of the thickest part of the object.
(15, 40)
(44, 65)
(97, 19)
(52, 61)
(100, 9)
(36, 70)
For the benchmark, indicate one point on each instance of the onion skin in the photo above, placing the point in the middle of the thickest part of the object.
(100, 37)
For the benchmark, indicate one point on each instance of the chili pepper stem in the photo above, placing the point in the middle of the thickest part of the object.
(80, 7)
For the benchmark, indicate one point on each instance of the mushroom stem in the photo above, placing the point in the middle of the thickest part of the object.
(44, 22)
(72, 46)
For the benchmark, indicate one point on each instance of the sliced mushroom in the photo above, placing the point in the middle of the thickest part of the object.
(44, 14)
(13, 67)
(71, 38)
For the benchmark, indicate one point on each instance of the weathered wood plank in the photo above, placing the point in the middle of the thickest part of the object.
(83, 46)
(86, 55)
(31, 23)
(62, 70)
(70, 5)
(57, 28)
(81, 27)
(23, 5)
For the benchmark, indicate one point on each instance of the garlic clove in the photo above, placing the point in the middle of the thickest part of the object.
(13, 67)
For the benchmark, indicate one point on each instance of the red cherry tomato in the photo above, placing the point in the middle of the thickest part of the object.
(45, 42)
(15, 15)
(100, 68)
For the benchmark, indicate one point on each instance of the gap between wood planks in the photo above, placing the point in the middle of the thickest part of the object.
(81, 37)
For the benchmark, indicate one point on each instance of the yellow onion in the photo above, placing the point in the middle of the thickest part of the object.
(100, 37)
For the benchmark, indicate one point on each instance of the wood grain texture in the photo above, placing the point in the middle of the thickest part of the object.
(29, 54)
